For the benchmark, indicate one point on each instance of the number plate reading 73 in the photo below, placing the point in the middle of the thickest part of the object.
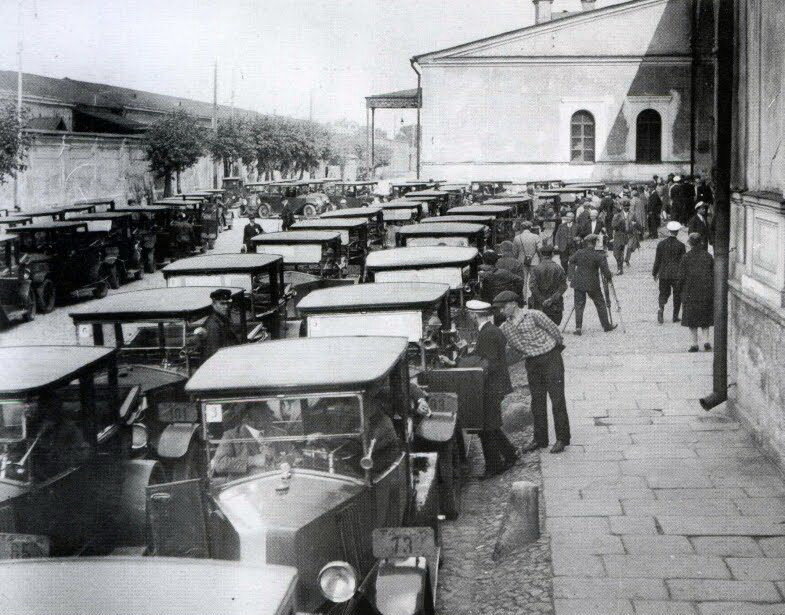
(395, 542)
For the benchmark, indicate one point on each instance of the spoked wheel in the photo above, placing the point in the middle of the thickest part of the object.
(309, 211)
(264, 210)
(45, 297)
(100, 291)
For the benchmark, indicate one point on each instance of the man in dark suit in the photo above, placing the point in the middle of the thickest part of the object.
(585, 268)
(494, 279)
(591, 226)
(499, 453)
(699, 224)
(565, 237)
(653, 211)
(682, 199)
(251, 230)
(623, 228)
(547, 284)
(217, 328)
(666, 268)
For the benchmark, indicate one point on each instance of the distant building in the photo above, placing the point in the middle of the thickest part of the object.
(602, 93)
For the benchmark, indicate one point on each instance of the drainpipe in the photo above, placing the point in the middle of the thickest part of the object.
(412, 61)
(724, 75)
(693, 80)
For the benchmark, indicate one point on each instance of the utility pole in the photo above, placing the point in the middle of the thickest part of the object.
(215, 117)
(18, 98)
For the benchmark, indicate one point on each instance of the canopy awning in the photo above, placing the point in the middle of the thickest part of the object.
(401, 99)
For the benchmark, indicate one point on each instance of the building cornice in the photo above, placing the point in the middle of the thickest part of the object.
(669, 60)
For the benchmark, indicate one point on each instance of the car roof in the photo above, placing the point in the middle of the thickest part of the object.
(297, 364)
(296, 237)
(222, 263)
(395, 258)
(358, 183)
(143, 208)
(153, 303)
(428, 192)
(349, 212)
(97, 201)
(112, 585)
(14, 218)
(491, 181)
(509, 199)
(462, 219)
(480, 209)
(28, 369)
(442, 228)
(45, 226)
(379, 295)
(400, 204)
(339, 223)
(178, 202)
(103, 215)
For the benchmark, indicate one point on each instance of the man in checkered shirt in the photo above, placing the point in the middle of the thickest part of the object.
(540, 342)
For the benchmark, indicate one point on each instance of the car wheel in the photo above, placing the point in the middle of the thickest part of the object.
(100, 291)
(264, 210)
(188, 466)
(113, 276)
(45, 296)
(139, 274)
(309, 210)
(149, 262)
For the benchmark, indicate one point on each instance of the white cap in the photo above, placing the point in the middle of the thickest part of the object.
(674, 226)
(677, 178)
(478, 306)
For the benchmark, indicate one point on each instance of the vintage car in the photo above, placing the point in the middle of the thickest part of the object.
(521, 204)
(372, 213)
(17, 297)
(442, 234)
(7, 222)
(157, 326)
(488, 221)
(457, 267)
(310, 468)
(305, 198)
(98, 205)
(351, 194)
(399, 189)
(214, 215)
(63, 261)
(261, 276)
(122, 248)
(69, 484)
(354, 235)
(202, 220)
(110, 585)
(544, 184)
(316, 252)
(150, 224)
(486, 189)
(439, 201)
(502, 213)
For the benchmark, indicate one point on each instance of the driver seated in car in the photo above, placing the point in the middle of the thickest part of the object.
(240, 450)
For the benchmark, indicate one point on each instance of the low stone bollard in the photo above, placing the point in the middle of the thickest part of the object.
(521, 524)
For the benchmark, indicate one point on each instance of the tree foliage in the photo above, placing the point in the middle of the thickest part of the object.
(13, 142)
(173, 144)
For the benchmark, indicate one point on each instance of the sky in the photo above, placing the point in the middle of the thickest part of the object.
(276, 55)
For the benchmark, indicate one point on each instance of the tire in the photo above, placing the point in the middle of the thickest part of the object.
(264, 210)
(113, 276)
(189, 465)
(45, 296)
(100, 291)
(149, 262)
(309, 210)
(139, 274)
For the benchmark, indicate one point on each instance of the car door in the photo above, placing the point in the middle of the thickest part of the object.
(178, 526)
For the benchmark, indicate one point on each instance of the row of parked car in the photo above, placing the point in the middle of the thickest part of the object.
(295, 475)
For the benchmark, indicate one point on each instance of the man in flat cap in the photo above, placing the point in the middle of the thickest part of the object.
(586, 265)
(547, 285)
(251, 230)
(491, 347)
(508, 261)
(218, 331)
(539, 340)
(699, 223)
(666, 269)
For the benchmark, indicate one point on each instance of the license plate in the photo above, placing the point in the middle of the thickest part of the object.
(401, 542)
(177, 412)
(23, 546)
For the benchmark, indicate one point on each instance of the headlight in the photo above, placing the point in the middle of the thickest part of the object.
(338, 581)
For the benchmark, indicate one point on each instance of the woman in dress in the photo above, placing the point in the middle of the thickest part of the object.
(696, 275)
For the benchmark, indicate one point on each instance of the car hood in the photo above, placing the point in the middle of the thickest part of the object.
(9, 490)
(254, 507)
(144, 586)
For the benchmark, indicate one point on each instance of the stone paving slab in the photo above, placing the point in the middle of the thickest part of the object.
(662, 507)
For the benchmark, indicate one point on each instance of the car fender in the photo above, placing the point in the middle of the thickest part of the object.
(131, 519)
(110, 259)
(174, 440)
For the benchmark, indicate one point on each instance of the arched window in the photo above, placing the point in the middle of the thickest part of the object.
(582, 137)
(648, 146)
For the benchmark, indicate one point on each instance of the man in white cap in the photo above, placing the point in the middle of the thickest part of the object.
(699, 223)
(500, 455)
(666, 269)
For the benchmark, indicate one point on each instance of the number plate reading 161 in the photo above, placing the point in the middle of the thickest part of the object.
(392, 542)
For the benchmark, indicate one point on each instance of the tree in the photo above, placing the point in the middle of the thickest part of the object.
(173, 144)
(232, 142)
(13, 142)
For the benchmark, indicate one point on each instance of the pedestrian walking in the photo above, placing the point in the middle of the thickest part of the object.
(666, 269)
(217, 331)
(682, 199)
(539, 340)
(699, 224)
(586, 265)
(638, 209)
(653, 212)
(526, 248)
(592, 226)
(494, 280)
(508, 261)
(623, 230)
(499, 453)
(663, 190)
(547, 285)
(703, 191)
(287, 216)
(564, 240)
(696, 276)
(251, 230)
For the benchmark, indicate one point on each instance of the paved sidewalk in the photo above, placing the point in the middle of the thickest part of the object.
(657, 506)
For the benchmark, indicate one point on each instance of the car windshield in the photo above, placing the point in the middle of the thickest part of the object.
(322, 432)
(12, 421)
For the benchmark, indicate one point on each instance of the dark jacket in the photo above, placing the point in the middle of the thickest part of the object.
(287, 217)
(548, 281)
(585, 267)
(697, 225)
(654, 207)
(219, 334)
(511, 264)
(585, 228)
(491, 346)
(564, 240)
(623, 228)
(704, 193)
(496, 280)
(682, 201)
(696, 275)
(667, 259)
(249, 232)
